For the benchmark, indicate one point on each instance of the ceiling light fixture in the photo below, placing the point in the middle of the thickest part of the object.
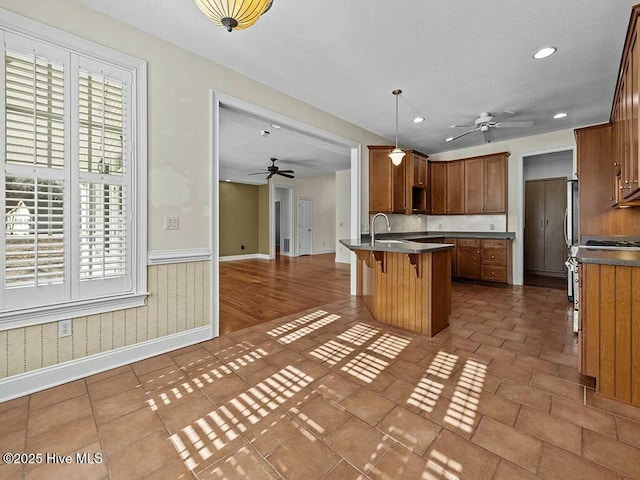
(560, 115)
(449, 139)
(275, 125)
(234, 15)
(418, 120)
(544, 52)
(396, 154)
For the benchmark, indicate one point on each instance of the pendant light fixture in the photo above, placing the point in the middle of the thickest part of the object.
(234, 14)
(396, 154)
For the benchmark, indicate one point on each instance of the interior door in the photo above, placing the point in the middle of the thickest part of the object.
(304, 226)
(555, 204)
(534, 226)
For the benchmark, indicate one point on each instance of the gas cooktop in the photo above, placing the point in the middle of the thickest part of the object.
(611, 244)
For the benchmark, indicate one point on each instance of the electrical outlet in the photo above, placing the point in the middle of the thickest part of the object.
(171, 223)
(64, 328)
(492, 226)
(241, 247)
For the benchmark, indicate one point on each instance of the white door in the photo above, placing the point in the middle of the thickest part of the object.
(304, 226)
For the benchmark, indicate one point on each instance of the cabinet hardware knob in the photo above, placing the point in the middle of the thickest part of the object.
(493, 256)
(615, 164)
(478, 251)
(493, 273)
(610, 198)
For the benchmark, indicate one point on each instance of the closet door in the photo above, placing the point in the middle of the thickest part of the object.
(534, 226)
(555, 204)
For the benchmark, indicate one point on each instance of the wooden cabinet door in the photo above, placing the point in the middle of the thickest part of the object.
(420, 171)
(474, 185)
(455, 187)
(438, 182)
(399, 187)
(380, 199)
(469, 262)
(633, 187)
(495, 184)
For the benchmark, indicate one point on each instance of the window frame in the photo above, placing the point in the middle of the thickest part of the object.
(136, 296)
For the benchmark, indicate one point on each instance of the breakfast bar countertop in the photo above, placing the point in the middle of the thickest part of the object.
(397, 246)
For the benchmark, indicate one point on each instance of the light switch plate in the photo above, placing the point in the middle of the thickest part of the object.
(171, 223)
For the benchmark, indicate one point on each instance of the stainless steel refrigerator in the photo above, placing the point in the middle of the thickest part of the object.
(571, 232)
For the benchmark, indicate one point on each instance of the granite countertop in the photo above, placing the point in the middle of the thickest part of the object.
(405, 246)
(421, 235)
(623, 257)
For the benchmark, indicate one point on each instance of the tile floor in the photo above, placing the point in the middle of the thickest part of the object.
(330, 394)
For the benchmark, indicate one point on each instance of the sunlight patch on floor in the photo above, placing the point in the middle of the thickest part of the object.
(463, 408)
(287, 327)
(389, 345)
(365, 367)
(442, 467)
(359, 334)
(306, 330)
(331, 352)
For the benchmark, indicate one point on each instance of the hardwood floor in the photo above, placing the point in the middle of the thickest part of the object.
(256, 291)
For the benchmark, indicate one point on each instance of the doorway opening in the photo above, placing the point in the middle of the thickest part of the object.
(545, 217)
(283, 221)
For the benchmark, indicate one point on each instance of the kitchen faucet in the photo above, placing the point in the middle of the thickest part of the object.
(373, 221)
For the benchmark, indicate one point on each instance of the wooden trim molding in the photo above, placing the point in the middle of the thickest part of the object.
(162, 257)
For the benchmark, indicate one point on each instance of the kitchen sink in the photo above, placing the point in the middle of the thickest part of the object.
(390, 241)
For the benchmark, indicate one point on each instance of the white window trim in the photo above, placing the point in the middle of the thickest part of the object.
(10, 319)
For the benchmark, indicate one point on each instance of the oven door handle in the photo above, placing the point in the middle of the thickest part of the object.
(565, 228)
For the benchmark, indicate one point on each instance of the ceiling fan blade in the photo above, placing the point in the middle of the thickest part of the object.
(270, 175)
(514, 124)
(466, 125)
(257, 173)
(286, 171)
(462, 135)
(285, 175)
(488, 136)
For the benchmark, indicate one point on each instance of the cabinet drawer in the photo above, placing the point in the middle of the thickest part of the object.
(494, 256)
(468, 242)
(494, 244)
(494, 273)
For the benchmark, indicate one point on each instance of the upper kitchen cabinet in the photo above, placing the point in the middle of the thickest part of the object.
(438, 182)
(476, 185)
(455, 187)
(397, 189)
(624, 121)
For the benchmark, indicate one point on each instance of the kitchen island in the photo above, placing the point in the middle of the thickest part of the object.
(405, 284)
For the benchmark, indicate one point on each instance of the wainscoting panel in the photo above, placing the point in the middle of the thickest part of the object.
(179, 300)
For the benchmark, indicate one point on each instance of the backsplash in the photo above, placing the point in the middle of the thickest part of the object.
(467, 223)
(399, 223)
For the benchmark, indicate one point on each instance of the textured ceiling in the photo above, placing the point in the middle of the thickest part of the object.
(453, 60)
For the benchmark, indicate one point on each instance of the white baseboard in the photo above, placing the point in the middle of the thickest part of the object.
(250, 256)
(322, 252)
(30, 382)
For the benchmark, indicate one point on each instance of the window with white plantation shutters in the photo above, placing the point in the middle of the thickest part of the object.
(103, 204)
(72, 189)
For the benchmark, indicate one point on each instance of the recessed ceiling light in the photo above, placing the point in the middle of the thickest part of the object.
(418, 120)
(560, 115)
(275, 125)
(544, 52)
(449, 139)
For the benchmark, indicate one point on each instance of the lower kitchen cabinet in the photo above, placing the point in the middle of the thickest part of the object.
(454, 256)
(609, 323)
(483, 259)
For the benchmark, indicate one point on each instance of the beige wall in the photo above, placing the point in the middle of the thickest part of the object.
(239, 217)
(178, 300)
(322, 192)
(263, 219)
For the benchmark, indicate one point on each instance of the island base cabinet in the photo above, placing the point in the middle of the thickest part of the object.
(609, 330)
(409, 291)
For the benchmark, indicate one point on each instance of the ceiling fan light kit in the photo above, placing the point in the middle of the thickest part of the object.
(234, 14)
(396, 154)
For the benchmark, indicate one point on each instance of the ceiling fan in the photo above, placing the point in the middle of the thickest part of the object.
(273, 170)
(486, 122)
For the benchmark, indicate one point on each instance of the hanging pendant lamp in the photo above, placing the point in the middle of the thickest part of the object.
(396, 154)
(234, 14)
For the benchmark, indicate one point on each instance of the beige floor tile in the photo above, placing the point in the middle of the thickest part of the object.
(102, 389)
(152, 364)
(535, 364)
(560, 358)
(511, 371)
(509, 443)
(558, 464)
(530, 396)
(509, 471)
(94, 469)
(177, 419)
(612, 454)
(11, 472)
(108, 373)
(225, 388)
(174, 471)
(320, 416)
(243, 464)
(127, 429)
(490, 353)
(628, 431)
(271, 431)
(58, 414)
(613, 406)
(120, 404)
(364, 452)
(550, 429)
(15, 418)
(61, 393)
(492, 340)
(344, 471)
(66, 438)
(399, 462)
(334, 386)
(411, 430)
(302, 457)
(458, 457)
(584, 416)
(367, 405)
